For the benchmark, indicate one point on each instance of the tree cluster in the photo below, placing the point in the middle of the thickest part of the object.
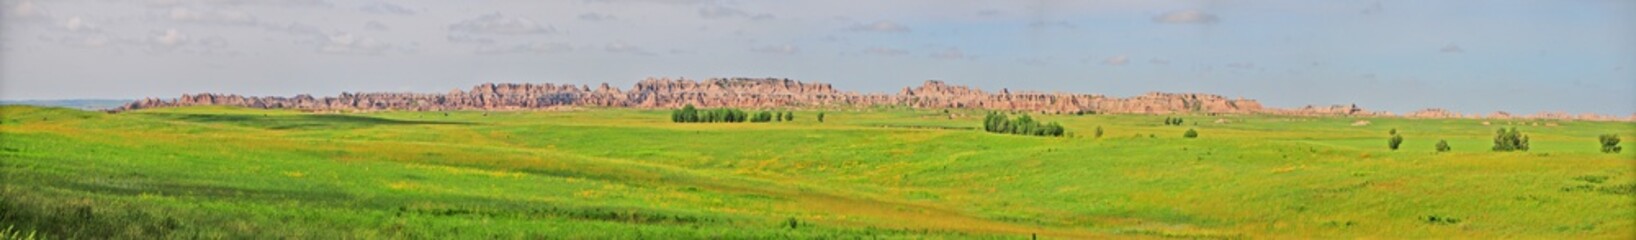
(1173, 121)
(1510, 140)
(690, 114)
(1610, 143)
(1022, 125)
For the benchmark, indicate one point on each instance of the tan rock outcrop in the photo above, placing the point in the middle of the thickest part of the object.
(763, 93)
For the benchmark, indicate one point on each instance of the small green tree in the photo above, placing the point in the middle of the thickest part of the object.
(690, 114)
(1098, 131)
(1392, 132)
(1610, 143)
(1510, 140)
(789, 116)
(1190, 133)
(1443, 146)
(820, 117)
(762, 116)
(1394, 142)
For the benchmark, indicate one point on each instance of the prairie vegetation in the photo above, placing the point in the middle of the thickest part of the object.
(210, 172)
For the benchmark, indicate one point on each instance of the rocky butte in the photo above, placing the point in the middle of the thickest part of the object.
(757, 93)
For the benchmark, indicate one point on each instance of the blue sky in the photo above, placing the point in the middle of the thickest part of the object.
(1474, 57)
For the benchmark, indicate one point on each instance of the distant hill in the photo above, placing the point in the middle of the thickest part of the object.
(83, 104)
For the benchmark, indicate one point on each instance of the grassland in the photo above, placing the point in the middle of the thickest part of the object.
(875, 173)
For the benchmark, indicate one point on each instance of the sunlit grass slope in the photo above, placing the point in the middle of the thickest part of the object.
(868, 173)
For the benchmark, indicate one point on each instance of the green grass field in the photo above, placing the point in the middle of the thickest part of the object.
(863, 174)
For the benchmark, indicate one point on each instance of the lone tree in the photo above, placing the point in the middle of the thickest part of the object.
(1510, 140)
(1443, 146)
(789, 116)
(1098, 131)
(1610, 143)
(1394, 142)
(1190, 133)
(820, 116)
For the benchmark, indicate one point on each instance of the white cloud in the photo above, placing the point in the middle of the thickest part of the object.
(1451, 48)
(84, 41)
(622, 47)
(1187, 17)
(714, 12)
(376, 26)
(950, 53)
(1116, 60)
(210, 16)
(784, 49)
(386, 8)
(275, 3)
(77, 24)
(539, 48)
(346, 43)
(495, 23)
(670, 2)
(297, 29)
(596, 17)
(880, 26)
(720, 12)
(1034, 61)
(170, 38)
(1373, 9)
(26, 11)
(884, 51)
(213, 41)
(1044, 24)
(459, 38)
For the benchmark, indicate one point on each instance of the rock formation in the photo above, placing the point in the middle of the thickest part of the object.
(1434, 113)
(762, 93)
(710, 93)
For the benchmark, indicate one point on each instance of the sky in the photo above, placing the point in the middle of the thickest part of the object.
(1576, 56)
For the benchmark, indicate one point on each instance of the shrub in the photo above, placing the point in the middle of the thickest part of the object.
(1610, 143)
(762, 116)
(1098, 131)
(789, 116)
(820, 116)
(1443, 146)
(1510, 140)
(1191, 133)
(1394, 142)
